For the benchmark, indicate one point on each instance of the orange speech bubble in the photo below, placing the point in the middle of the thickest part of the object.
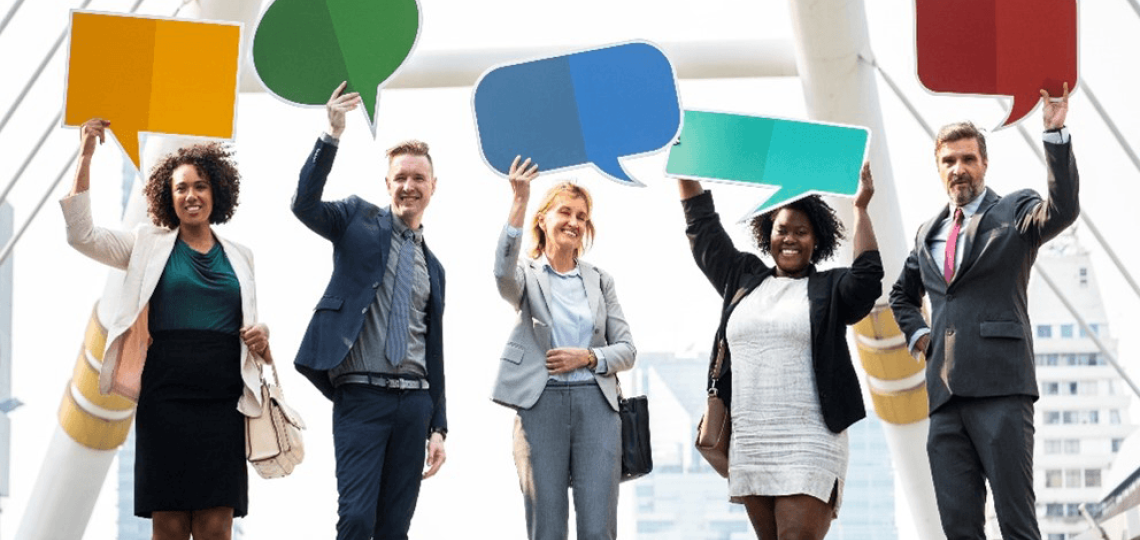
(152, 75)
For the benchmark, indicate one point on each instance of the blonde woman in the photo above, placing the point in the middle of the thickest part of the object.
(559, 364)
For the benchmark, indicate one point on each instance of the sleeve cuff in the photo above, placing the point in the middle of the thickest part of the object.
(602, 367)
(914, 340)
(512, 231)
(329, 139)
(1056, 136)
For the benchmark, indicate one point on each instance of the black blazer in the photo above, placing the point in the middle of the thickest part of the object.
(361, 235)
(981, 341)
(838, 297)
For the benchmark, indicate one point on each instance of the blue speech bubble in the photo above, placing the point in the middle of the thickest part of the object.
(590, 107)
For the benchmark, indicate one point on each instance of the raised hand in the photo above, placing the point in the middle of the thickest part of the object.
(520, 175)
(339, 104)
(866, 187)
(91, 130)
(1054, 112)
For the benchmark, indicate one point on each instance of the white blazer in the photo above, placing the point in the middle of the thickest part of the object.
(526, 286)
(142, 254)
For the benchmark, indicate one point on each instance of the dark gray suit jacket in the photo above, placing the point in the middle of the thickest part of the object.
(981, 341)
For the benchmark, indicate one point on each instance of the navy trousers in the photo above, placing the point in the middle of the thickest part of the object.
(380, 437)
(975, 439)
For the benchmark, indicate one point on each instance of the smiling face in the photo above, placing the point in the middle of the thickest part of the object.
(793, 242)
(411, 183)
(192, 196)
(565, 223)
(963, 170)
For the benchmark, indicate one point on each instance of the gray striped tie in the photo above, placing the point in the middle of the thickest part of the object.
(399, 312)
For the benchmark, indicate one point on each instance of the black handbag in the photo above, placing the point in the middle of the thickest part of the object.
(636, 454)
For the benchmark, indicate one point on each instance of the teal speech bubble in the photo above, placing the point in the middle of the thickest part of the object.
(797, 158)
(303, 49)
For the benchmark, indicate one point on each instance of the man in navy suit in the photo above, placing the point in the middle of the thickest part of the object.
(375, 343)
(973, 260)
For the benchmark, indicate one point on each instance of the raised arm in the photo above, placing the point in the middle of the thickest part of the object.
(109, 247)
(327, 219)
(713, 250)
(1046, 219)
(864, 233)
(509, 275)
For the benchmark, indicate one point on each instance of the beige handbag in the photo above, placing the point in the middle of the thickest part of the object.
(273, 442)
(715, 428)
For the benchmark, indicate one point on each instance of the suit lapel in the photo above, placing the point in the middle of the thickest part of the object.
(972, 232)
(245, 280)
(543, 279)
(162, 246)
(591, 279)
(929, 229)
(384, 224)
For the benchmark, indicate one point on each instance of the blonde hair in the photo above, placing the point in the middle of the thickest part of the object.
(573, 191)
(409, 147)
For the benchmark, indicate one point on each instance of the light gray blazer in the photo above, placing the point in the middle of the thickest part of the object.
(522, 368)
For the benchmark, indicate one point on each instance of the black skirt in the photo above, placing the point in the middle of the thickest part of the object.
(189, 435)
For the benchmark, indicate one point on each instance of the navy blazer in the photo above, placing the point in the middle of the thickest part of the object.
(837, 298)
(361, 234)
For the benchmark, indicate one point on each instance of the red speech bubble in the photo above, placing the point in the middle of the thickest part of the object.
(998, 47)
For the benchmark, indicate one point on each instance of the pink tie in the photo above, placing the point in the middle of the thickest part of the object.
(952, 246)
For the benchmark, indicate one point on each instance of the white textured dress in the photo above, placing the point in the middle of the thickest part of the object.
(780, 444)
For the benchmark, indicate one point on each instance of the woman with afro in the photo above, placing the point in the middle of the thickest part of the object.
(786, 374)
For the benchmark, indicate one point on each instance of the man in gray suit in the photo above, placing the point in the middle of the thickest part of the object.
(973, 259)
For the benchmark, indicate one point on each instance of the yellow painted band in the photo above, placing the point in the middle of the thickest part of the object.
(91, 432)
(95, 339)
(900, 408)
(891, 363)
(86, 379)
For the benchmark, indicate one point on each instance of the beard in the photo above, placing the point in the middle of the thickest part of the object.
(963, 193)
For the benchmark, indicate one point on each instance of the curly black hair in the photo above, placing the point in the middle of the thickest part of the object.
(825, 225)
(214, 162)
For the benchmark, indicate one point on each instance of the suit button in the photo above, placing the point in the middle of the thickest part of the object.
(365, 310)
(949, 297)
(376, 285)
(950, 332)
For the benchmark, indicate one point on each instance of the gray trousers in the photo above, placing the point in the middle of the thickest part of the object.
(570, 438)
(974, 439)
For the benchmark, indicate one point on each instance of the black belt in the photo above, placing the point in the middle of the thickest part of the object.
(383, 381)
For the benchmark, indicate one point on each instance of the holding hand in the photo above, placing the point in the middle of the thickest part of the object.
(866, 187)
(91, 130)
(566, 359)
(520, 176)
(1054, 112)
(256, 338)
(337, 106)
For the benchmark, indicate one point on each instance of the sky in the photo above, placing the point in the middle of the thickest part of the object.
(640, 230)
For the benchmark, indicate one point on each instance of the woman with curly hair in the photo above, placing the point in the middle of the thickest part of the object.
(786, 373)
(189, 312)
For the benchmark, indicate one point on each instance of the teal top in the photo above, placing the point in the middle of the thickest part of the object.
(197, 291)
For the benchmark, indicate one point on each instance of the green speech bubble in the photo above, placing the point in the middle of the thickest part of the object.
(303, 49)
